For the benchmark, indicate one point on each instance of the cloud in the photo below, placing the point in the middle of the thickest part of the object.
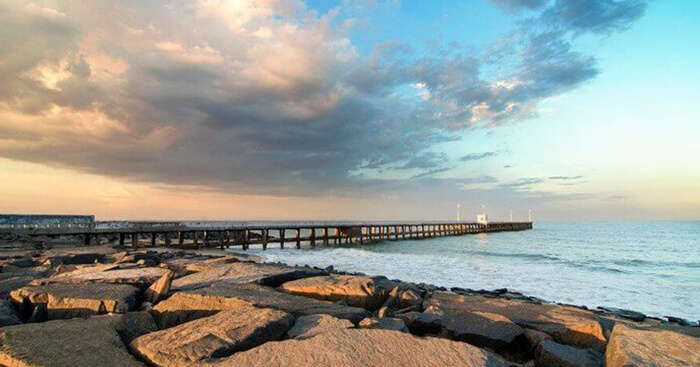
(565, 178)
(477, 156)
(597, 16)
(523, 182)
(265, 97)
(517, 5)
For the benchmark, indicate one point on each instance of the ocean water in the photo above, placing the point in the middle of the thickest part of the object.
(651, 267)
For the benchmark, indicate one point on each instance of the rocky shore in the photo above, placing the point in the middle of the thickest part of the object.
(105, 306)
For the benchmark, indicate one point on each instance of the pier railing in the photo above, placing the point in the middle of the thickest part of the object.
(174, 234)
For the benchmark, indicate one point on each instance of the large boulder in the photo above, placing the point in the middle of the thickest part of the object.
(483, 329)
(66, 343)
(265, 274)
(189, 305)
(141, 277)
(364, 347)
(567, 325)
(368, 292)
(311, 325)
(552, 354)
(631, 347)
(216, 336)
(64, 301)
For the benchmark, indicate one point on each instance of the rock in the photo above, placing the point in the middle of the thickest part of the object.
(65, 343)
(140, 257)
(409, 298)
(216, 336)
(567, 325)
(393, 300)
(264, 274)
(312, 325)
(189, 305)
(627, 314)
(552, 354)
(630, 347)
(140, 277)
(8, 316)
(132, 325)
(368, 292)
(386, 323)
(363, 347)
(159, 289)
(384, 311)
(421, 323)
(65, 301)
(26, 262)
(483, 329)
(534, 338)
(74, 259)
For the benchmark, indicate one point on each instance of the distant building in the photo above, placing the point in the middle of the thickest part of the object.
(482, 218)
(42, 221)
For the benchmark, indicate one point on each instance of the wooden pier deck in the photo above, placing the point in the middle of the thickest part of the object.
(175, 235)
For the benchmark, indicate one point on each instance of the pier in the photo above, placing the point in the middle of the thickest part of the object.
(177, 235)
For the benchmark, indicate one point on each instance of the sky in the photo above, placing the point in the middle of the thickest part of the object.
(350, 110)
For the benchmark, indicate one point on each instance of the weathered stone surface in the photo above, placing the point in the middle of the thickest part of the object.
(14, 278)
(266, 274)
(420, 323)
(216, 336)
(132, 325)
(534, 338)
(138, 276)
(8, 316)
(65, 301)
(312, 325)
(65, 343)
(565, 324)
(189, 305)
(369, 292)
(552, 354)
(159, 289)
(630, 347)
(483, 329)
(363, 347)
(410, 298)
(387, 323)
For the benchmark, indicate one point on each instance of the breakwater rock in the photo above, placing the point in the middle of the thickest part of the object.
(99, 307)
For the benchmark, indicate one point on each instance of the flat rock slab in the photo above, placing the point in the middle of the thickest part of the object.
(659, 348)
(265, 274)
(65, 343)
(64, 301)
(552, 354)
(311, 325)
(138, 276)
(368, 292)
(364, 347)
(75, 259)
(483, 329)
(189, 305)
(567, 325)
(216, 336)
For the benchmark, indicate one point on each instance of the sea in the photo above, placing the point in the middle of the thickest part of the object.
(650, 267)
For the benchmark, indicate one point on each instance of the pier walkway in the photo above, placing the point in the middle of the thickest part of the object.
(175, 234)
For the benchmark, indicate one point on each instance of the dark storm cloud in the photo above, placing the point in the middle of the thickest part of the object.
(477, 156)
(294, 112)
